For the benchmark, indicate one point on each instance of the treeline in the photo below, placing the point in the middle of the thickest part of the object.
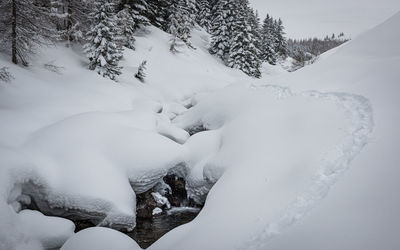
(240, 40)
(304, 50)
(105, 27)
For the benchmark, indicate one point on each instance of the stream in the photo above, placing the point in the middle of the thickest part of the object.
(148, 231)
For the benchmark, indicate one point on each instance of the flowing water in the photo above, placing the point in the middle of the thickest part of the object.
(148, 231)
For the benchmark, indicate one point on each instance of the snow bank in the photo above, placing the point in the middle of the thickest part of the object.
(83, 145)
(100, 238)
(273, 147)
(360, 211)
(87, 144)
(52, 232)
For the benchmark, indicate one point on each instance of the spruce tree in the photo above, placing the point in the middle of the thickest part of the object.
(141, 74)
(280, 45)
(71, 18)
(180, 24)
(102, 47)
(243, 54)
(204, 16)
(223, 19)
(158, 13)
(268, 41)
(139, 12)
(127, 26)
(254, 22)
(25, 24)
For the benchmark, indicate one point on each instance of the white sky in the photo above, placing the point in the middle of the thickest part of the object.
(308, 18)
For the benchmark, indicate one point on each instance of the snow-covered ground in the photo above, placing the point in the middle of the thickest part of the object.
(304, 160)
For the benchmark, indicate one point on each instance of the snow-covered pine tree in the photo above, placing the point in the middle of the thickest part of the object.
(280, 45)
(5, 75)
(254, 22)
(268, 41)
(179, 24)
(103, 48)
(71, 18)
(204, 16)
(141, 74)
(243, 54)
(158, 15)
(222, 26)
(139, 12)
(127, 27)
(25, 24)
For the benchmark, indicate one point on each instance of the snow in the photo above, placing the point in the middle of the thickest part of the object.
(84, 143)
(157, 211)
(161, 200)
(100, 238)
(291, 161)
(255, 163)
(360, 211)
(52, 232)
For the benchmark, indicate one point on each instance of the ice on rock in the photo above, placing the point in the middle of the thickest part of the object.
(157, 211)
(161, 200)
(162, 188)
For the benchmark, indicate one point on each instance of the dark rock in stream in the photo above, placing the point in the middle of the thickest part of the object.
(145, 204)
(196, 129)
(178, 196)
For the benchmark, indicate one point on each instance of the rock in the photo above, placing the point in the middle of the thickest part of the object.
(145, 204)
(178, 197)
(161, 200)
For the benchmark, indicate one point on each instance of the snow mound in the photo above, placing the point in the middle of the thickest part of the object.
(52, 232)
(99, 238)
(290, 149)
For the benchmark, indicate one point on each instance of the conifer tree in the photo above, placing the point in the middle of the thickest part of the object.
(280, 46)
(102, 47)
(71, 18)
(141, 74)
(158, 13)
(243, 54)
(204, 16)
(25, 24)
(223, 21)
(254, 22)
(180, 25)
(139, 12)
(268, 41)
(127, 27)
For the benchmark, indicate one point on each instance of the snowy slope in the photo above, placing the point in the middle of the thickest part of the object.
(246, 211)
(361, 211)
(83, 141)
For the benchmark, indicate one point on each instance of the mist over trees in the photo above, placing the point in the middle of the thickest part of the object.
(304, 51)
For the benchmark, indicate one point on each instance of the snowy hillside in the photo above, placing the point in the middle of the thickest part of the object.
(304, 160)
(60, 122)
(360, 212)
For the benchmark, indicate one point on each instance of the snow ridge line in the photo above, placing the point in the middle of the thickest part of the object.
(360, 111)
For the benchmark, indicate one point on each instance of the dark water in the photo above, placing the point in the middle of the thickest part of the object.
(148, 231)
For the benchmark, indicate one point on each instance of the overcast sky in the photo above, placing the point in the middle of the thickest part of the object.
(305, 18)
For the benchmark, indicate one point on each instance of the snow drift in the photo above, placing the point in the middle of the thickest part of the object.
(272, 152)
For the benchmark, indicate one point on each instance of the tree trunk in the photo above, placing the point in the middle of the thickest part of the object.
(14, 33)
